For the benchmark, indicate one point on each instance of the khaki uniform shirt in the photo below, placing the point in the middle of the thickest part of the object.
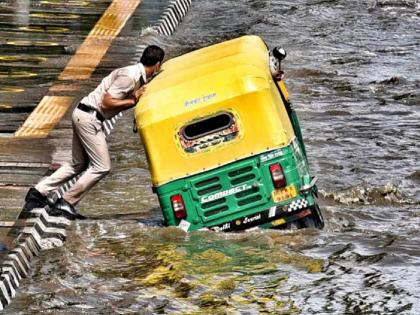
(120, 83)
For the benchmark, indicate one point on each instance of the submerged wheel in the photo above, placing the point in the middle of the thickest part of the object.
(315, 220)
(307, 222)
(312, 221)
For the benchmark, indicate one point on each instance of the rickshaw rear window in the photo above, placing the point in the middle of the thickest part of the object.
(207, 126)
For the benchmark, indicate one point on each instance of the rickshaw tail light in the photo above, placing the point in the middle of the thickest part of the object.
(178, 206)
(279, 180)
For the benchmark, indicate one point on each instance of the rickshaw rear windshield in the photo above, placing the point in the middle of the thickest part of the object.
(207, 126)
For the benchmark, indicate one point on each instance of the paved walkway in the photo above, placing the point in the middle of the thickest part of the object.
(42, 142)
(26, 152)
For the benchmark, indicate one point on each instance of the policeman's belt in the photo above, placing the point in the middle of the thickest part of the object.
(89, 109)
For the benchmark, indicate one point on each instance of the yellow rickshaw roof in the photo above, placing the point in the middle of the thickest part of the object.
(199, 78)
(232, 77)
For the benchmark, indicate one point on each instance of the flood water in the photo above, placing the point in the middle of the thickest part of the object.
(352, 72)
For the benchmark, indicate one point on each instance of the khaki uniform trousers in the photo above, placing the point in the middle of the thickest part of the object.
(90, 154)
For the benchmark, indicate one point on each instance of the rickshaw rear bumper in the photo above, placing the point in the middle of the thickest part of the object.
(272, 217)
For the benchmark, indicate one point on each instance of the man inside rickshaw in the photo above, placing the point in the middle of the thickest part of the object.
(276, 55)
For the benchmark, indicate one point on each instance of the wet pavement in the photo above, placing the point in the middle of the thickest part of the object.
(23, 161)
(37, 40)
(353, 75)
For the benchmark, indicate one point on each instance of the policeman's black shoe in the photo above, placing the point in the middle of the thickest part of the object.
(65, 209)
(35, 198)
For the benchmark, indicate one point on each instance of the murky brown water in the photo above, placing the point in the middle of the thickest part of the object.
(353, 74)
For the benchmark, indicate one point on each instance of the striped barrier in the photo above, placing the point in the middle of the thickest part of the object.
(36, 229)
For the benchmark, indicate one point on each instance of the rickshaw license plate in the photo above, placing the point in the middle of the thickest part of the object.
(284, 193)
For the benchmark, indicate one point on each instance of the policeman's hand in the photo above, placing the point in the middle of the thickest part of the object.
(139, 92)
(279, 75)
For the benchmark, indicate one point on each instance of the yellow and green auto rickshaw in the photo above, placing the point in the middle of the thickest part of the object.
(224, 145)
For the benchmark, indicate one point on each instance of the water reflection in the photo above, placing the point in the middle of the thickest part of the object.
(47, 29)
(68, 3)
(166, 270)
(30, 43)
(25, 59)
(36, 40)
(54, 16)
(5, 89)
(16, 74)
(22, 8)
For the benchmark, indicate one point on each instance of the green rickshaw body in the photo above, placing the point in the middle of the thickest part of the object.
(224, 145)
(240, 195)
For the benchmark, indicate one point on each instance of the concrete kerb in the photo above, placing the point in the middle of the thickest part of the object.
(39, 230)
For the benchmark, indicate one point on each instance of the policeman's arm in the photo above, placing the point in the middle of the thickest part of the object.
(120, 95)
(109, 102)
